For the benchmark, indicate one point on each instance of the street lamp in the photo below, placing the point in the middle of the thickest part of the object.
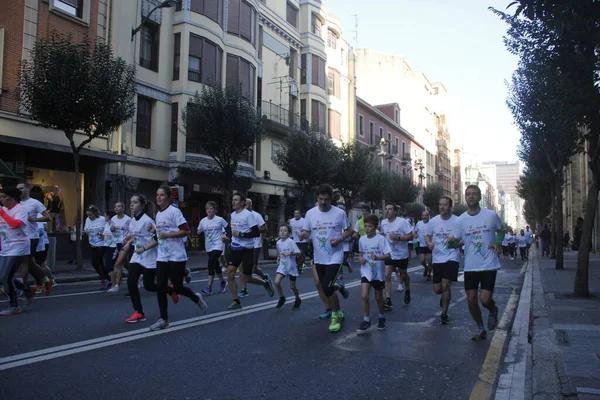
(164, 4)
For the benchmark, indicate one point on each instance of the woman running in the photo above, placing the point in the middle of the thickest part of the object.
(14, 239)
(94, 228)
(213, 228)
(119, 226)
(172, 229)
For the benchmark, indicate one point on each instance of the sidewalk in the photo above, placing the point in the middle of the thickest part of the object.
(565, 331)
(65, 273)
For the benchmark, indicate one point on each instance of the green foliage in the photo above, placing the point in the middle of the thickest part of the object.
(353, 172)
(373, 192)
(413, 210)
(459, 209)
(400, 189)
(226, 124)
(431, 197)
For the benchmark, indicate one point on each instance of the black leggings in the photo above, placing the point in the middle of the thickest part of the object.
(523, 252)
(135, 270)
(10, 265)
(174, 271)
(213, 262)
(98, 261)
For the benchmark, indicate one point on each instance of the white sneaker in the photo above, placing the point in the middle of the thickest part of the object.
(400, 288)
(141, 282)
(158, 325)
(114, 289)
(202, 304)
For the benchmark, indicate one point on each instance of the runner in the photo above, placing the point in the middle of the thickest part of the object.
(41, 252)
(119, 226)
(110, 250)
(398, 232)
(512, 244)
(244, 229)
(172, 229)
(476, 229)
(421, 230)
(15, 242)
(446, 258)
(374, 250)
(522, 245)
(411, 242)
(529, 236)
(262, 228)
(329, 226)
(94, 228)
(34, 207)
(297, 223)
(287, 251)
(213, 227)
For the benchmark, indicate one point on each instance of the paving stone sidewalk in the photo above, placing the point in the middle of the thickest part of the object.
(565, 332)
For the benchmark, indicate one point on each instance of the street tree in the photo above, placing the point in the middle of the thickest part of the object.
(79, 88)
(431, 197)
(400, 189)
(374, 191)
(353, 172)
(459, 209)
(226, 124)
(414, 210)
(534, 187)
(309, 158)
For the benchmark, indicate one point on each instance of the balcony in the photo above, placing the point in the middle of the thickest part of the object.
(282, 120)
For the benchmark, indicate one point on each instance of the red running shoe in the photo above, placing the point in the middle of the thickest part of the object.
(135, 318)
(48, 287)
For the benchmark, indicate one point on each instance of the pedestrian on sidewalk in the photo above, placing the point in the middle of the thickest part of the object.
(94, 228)
(522, 244)
(213, 227)
(287, 251)
(477, 230)
(545, 235)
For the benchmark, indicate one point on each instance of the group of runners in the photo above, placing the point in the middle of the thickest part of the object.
(153, 244)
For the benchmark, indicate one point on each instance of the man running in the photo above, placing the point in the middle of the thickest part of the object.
(297, 224)
(328, 226)
(445, 257)
(262, 228)
(423, 250)
(528, 241)
(477, 230)
(398, 232)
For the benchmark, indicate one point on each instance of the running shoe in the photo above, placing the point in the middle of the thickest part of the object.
(10, 311)
(326, 314)
(187, 278)
(335, 324)
(108, 285)
(297, 303)
(381, 324)
(135, 318)
(174, 296)
(281, 302)
(424, 271)
(158, 325)
(407, 297)
(202, 304)
(363, 327)
(234, 306)
(39, 289)
(54, 283)
(428, 277)
(387, 305)
(207, 290)
(444, 319)
(492, 322)
(400, 288)
(48, 286)
(343, 290)
(114, 289)
(243, 293)
(269, 287)
(223, 287)
(482, 335)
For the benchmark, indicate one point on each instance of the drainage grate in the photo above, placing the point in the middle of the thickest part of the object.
(562, 337)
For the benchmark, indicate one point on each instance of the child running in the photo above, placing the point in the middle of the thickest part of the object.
(374, 249)
(287, 250)
(213, 228)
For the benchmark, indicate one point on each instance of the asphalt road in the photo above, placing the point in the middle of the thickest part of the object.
(74, 344)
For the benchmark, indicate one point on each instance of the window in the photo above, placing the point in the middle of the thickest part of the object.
(212, 9)
(248, 156)
(291, 15)
(192, 144)
(331, 39)
(404, 149)
(176, 55)
(73, 7)
(389, 143)
(174, 125)
(396, 146)
(316, 25)
(241, 20)
(241, 74)
(397, 116)
(149, 46)
(303, 69)
(318, 71)
(380, 133)
(342, 56)
(303, 108)
(275, 149)
(204, 61)
(361, 125)
(333, 82)
(335, 125)
(318, 114)
(371, 131)
(143, 129)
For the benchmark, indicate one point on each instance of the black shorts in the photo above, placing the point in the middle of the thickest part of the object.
(256, 254)
(328, 274)
(377, 285)
(33, 244)
(303, 246)
(447, 270)
(244, 256)
(423, 250)
(41, 256)
(402, 264)
(487, 280)
(292, 277)
(213, 262)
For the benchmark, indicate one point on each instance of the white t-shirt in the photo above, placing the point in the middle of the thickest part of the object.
(400, 227)
(439, 230)
(43, 236)
(95, 230)
(259, 222)
(15, 242)
(122, 225)
(506, 239)
(477, 233)
(421, 229)
(33, 207)
(287, 264)
(242, 222)
(138, 229)
(109, 237)
(522, 240)
(324, 227)
(172, 249)
(213, 230)
(297, 225)
(373, 270)
(529, 236)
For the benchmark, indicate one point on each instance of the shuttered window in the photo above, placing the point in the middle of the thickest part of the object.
(318, 72)
(204, 62)
(241, 20)
(335, 124)
(318, 114)
(292, 15)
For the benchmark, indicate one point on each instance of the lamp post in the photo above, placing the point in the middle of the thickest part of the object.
(164, 4)
(419, 166)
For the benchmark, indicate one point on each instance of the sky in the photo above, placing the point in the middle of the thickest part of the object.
(456, 42)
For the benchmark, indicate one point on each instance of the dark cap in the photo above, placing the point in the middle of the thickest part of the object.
(12, 191)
